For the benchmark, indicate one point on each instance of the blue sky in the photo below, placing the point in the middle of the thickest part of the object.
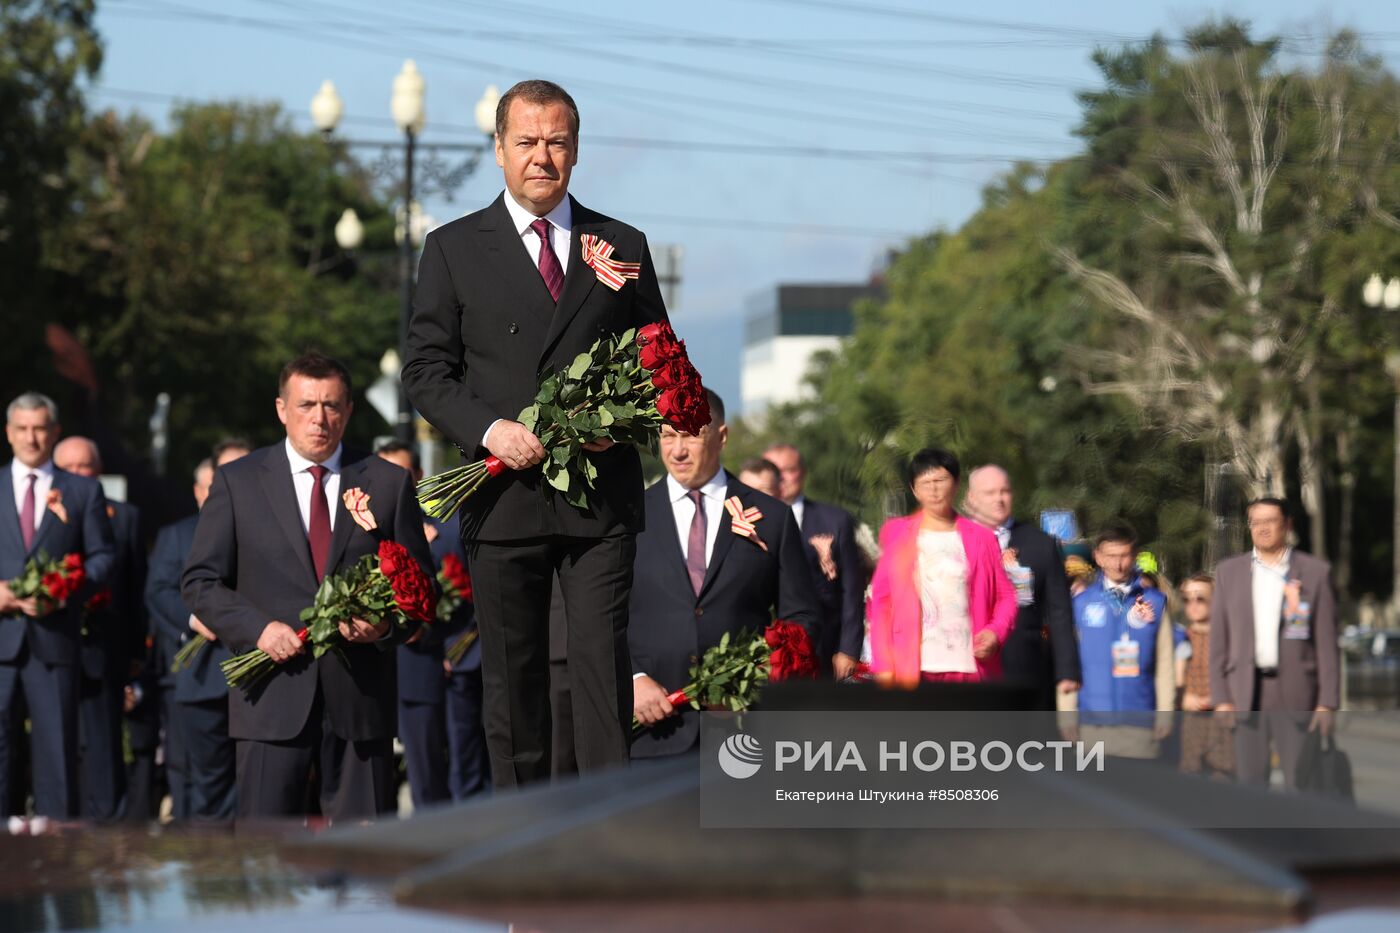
(774, 140)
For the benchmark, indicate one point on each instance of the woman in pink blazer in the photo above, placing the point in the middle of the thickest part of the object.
(941, 604)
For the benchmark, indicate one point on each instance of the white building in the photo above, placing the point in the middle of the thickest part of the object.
(784, 328)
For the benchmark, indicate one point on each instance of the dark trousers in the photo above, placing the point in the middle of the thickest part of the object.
(512, 583)
(209, 769)
(423, 732)
(468, 763)
(357, 778)
(1026, 661)
(177, 772)
(562, 760)
(1269, 721)
(51, 694)
(102, 773)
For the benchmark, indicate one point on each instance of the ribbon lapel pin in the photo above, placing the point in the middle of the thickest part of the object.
(743, 521)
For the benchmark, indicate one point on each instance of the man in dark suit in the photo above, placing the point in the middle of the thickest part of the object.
(697, 578)
(1041, 651)
(45, 509)
(272, 529)
(114, 643)
(503, 296)
(1274, 660)
(422, 677)
(203, 785)
(468, 759)
(829, 539)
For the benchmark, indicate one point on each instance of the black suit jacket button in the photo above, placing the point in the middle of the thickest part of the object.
(514, 328)
(699, 612)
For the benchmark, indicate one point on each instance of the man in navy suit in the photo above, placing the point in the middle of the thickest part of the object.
(829, 541)
(114, 641)
(422, 679)
(696, 578)
(47, 510)
(203, 785)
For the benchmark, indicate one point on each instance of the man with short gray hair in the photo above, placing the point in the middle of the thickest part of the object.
(49, 511)
(114, 642)
(1041, 651)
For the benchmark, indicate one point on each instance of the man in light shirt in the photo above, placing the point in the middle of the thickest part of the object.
(44, 511)
(1274, 659)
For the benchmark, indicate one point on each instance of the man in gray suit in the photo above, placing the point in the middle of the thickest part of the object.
(1274, 659)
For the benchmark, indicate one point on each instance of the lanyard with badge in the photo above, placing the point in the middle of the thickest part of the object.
(1297, 612)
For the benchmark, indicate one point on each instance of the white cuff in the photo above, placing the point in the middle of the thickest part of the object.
(635, 676)
(488, 431)
(192, 621)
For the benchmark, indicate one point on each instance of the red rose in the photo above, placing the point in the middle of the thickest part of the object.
(55, 585)
(791, 657)
(685, 405)
(656, 344)
(392, 558)
(414, 595)
(75, 580)
(100, 600)
(456, 576)
(670, 373)
(73, 562)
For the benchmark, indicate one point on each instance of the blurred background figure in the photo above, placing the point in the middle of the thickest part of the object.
(114, 645)
(1041, 649)
(1207, 745)
(761, 474)
(829, 541)
(941, 605)
(199, 754)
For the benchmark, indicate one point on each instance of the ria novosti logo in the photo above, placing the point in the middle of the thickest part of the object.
(741, 756)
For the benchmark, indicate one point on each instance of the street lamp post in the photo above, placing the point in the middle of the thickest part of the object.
(1378, 294)
(406, 105)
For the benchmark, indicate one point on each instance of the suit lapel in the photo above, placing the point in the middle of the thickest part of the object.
(286, 513)
(668, 537)
(1244, 607)
(350, 477)
(724, 539)
(9, 518)
(510, 258)
(579, 279)
(49, 519)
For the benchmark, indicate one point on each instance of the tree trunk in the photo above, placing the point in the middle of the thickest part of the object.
(1308, 427)
(1346, 483)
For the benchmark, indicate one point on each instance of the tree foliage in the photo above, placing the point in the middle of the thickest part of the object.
(1183, 292)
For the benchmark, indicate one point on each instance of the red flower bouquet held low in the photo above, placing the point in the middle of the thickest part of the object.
(731, 674)
(49, 581)
(623, 389)
(456, 587)
(387, 586)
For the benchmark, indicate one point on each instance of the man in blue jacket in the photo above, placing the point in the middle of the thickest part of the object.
(1125, 647)
(44, 510)
(199, 752)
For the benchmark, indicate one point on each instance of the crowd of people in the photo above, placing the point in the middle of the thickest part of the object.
(581, 619)
(959, 590)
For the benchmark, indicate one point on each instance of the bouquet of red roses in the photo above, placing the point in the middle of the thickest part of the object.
(48, 581)
(388, 585)
(623, 389)
(456, 587)
(730, 674)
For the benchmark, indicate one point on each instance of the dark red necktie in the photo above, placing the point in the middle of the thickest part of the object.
(550, 270)
(695, 545)
(26, 512)
(319, 531)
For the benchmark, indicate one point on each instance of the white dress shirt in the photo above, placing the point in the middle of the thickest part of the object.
(712, 495)
(561, 221)
(301, 479)
(42, 484)
(1269, 581)
(799, 507)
